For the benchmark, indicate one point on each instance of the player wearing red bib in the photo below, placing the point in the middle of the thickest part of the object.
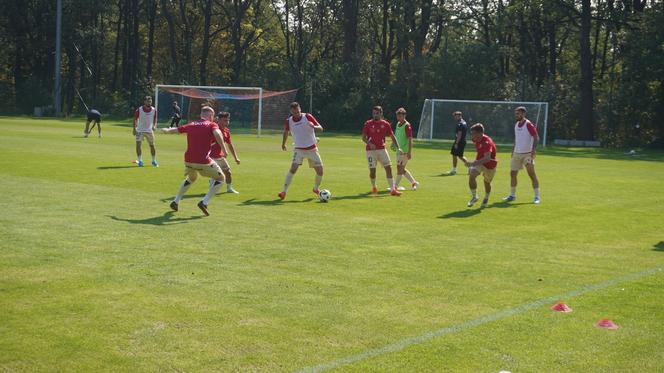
(302, 126)
(223, 120)
(373, 135)
(200, 135)
(485, 163)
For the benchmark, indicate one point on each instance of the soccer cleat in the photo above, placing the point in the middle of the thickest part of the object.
(485, 202)
(452, 172)
(155, 164)
(174, 206)
(509, 198)
(282, 195)
(231, 190)
(140, 163)
(472, 201)
(415, 185)
(536, 200)
(374, 190)
(85, 134)
(398, 188)
(203, 208)
(395, 192)
(316, 191)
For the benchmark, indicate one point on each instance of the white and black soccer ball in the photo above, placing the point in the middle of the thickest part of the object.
(324, 195)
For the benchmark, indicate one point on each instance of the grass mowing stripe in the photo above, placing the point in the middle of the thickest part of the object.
(400, 345)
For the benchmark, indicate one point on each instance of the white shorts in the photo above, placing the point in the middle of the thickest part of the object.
(402, 159)
(223, 163)
(147, 135)
(311, 154)
(378, 155)
(519, 160)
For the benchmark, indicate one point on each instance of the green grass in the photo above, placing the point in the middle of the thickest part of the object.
(97, 275)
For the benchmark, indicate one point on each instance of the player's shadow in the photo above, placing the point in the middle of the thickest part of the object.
(659, 246)
(446, 174)
(114, 167)
(274, 202)
(190, 196)
(168, 218)
(505, 204)
(461, 213)
(360, 196)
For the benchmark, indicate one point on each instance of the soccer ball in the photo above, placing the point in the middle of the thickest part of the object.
(324, 195)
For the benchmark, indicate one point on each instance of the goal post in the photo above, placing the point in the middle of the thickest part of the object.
(253, 108)
(437, 122)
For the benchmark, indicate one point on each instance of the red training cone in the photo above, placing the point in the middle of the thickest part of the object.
(606, 324)
(561, 307)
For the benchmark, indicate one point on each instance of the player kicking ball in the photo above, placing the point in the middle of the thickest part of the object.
(484, 164)
(303, 127)
(200, 135)
(373, 134)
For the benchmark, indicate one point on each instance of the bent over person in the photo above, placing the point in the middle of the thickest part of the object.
(94, 117)
(484, 164)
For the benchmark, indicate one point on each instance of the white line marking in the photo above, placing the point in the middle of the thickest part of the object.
(400, 345)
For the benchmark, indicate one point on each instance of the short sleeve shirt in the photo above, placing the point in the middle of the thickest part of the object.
(486, 145)
(215, 149)
(463, 128)
(200, 135)
(376, 131)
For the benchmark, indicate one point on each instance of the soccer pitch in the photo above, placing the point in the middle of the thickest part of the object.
(97, 274)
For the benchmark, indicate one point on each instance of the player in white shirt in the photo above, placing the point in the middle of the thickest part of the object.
(145, 122)
(303, 127)
(523, 153)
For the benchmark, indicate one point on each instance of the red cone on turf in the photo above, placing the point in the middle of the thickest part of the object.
(561, 307)
(606, 324)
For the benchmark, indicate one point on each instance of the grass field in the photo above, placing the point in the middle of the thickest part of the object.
(96, 273)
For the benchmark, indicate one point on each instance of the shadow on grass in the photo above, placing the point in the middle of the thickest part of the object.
(659, 246)
(360, 196)
(446, 174)
(466, 213)
(115, 167)
(505, 204)
(274, 202)
(190, 196)
(166, 219)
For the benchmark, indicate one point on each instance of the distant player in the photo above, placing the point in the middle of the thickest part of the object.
(459, 141)
(373, 135)
(145, 122)
(404, 134)
(223, 120)
(94, 117)
(200, 135)
(523, 153)
(303, 127)
(484, 164)
(176, 117)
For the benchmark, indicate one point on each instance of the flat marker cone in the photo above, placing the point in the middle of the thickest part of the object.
(561, 307)
(606, 324)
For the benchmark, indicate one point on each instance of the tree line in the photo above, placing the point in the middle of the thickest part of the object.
(600, 63)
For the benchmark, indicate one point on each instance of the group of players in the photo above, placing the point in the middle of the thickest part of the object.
(209, 142)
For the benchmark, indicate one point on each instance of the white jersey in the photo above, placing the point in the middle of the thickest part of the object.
(304, 136)
(524, 136)
(145, 120)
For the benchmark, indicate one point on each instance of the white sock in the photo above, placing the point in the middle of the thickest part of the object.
(390, 182)
(513, 191)
(183, 189)
(317, 181)
(289, 178)
(536, 192)
(398, 180)
(453, 169)
(140, 158)
(473, 192)
(229, 186)
(373, 182)
(211, 183)
(214, 189)
(154, 158)
(409, 176)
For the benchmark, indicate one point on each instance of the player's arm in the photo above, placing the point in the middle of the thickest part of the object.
(133, 130)
(232, 149)
(478, 162)
(220, 140)
(170, 130)
(395, 143)
(284, 138)
(314, 123)
(458, 139)
(365, 139)
(533, 132)
(154, 122)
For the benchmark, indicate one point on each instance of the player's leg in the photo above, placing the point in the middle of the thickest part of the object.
(488, 177)
(400, 172)
(473, 172)
(214, 172)
(516, 163)
(297, 161)
(318, 179)
(372, 162)
(384, 159)
(139, 153)
(153, 150)
(98, 122)
(190, 176)
(315, 162)
(530, 167)
(86, 131)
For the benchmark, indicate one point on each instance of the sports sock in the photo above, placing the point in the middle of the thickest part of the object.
(317, 181)
(140, 158)
(473, 192)
(211, 182)
(183, 189)
(397, 181)
(486, 196)
(409, 176)
(390, 182)
(536, 192)
(512, 191)
(453, 169)
(289, 178)
(229, 186)
(214, 189)
(154, 158)
(373, 182)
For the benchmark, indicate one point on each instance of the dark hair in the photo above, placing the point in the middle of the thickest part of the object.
(477, 127)
(378, 108)
(457, 113)
(522, 109)
(223, 114)
(146, 97)
(294, 104)
(401, 111)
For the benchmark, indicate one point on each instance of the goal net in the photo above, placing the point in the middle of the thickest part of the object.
(253, 108)
(437, 122)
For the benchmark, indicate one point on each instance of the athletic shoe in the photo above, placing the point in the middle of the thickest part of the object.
(395, 192)
(485, 202)
(174, 206)
(452, 172)
(231, 190)
(472, 201)
(316, 191)
(374, 190)
(536, 201)
(203, 208)
(415, 185)
(398, 188)
(155, 164)
(85, 134)
(100, 135)
(282, 195)
(509, 198)
(140, 163)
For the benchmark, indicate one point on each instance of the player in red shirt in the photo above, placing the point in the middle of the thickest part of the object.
(485, 163)
(200, 135)
(373, 134)
(223, 120)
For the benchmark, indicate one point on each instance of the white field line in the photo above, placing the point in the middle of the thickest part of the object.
(473, 323)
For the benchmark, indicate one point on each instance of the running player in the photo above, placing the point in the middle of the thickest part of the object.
(485, 163)
(404, 134)
(373, 135)
(523, 153)
(145, 122)
(94, 117)
(223, 120)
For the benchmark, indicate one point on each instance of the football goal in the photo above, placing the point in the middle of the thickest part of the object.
(437, 122)
(253, 108)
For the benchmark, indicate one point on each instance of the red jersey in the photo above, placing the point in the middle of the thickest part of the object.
(486, 145)
(200, 135)
(215, 149)
(376, 131)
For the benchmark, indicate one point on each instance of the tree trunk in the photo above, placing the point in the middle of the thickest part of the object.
(152, 15)
(205, 49)
(586, 130)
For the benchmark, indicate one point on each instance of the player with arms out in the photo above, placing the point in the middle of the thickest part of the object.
(145, 122)
(200, 135)
(373, 135)
(223, 120)
(523, 153)
(302, 127)
(404, 134)
(484, 164)
(94, 117)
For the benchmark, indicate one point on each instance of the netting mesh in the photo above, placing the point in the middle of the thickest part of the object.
(437, 122)
(242, 103)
